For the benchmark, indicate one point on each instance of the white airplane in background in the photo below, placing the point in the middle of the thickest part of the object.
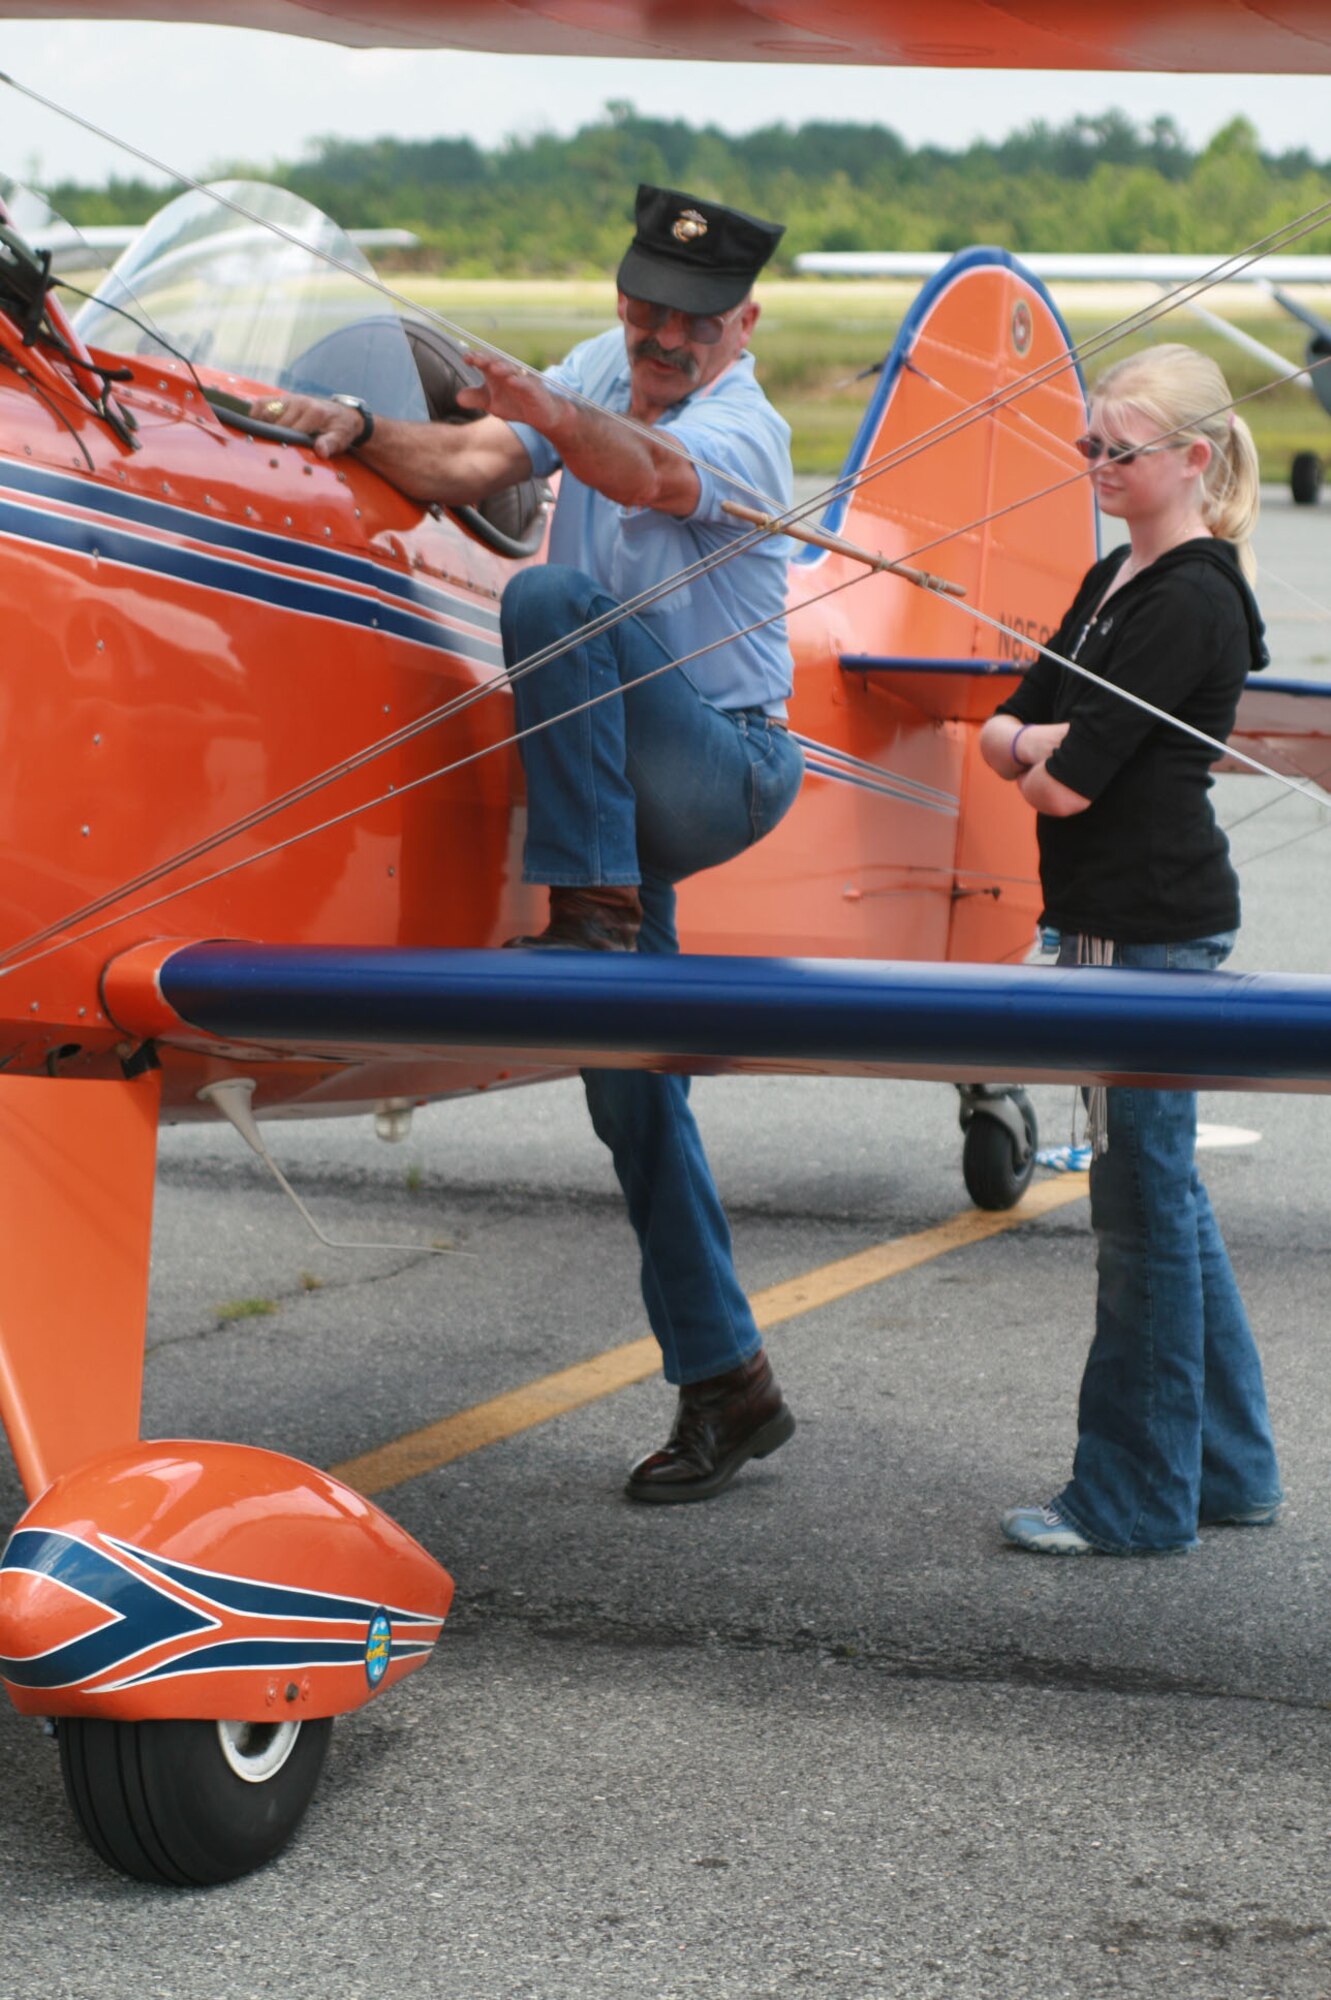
(95, 246)
(100, 244)
(1166, 270)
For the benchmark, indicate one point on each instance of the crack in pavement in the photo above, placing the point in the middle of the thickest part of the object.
(339, 1288)
(582, 1623)
(512, 1197)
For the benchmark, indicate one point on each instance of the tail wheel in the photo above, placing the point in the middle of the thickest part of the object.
(1305, 478)
(997, 1170)
(190, 1803)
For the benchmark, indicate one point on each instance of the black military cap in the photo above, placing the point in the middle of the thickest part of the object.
(693, 255)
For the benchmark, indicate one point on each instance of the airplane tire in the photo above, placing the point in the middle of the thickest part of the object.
(1305, 478)
(996, 1177)
(190, 1803)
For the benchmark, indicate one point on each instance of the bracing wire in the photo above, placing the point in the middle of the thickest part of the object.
(1078, 474)
(395, 792)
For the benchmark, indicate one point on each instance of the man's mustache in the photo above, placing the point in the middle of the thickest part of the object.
(679, 358)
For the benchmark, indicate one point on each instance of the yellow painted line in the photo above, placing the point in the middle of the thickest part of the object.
(588, 1381)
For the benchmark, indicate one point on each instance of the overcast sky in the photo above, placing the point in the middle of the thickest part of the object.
(195, 96)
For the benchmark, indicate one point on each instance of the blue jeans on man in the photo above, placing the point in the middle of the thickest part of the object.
(1173, 1428)
(649, 784)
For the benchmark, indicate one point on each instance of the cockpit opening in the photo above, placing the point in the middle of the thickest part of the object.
(249, 280)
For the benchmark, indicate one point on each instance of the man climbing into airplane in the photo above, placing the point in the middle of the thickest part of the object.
(684, 765)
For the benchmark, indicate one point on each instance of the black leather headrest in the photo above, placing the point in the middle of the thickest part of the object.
(443, 372)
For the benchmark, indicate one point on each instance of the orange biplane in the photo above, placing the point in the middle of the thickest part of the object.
(251, 698)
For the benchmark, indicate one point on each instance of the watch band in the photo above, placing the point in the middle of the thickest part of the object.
(366, 415)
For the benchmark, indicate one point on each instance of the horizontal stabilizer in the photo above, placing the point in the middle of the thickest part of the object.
(947, 690)
(710, 1014)
(1287, 724)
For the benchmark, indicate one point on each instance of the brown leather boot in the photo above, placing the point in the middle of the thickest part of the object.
(604, 916)
(719, 1425)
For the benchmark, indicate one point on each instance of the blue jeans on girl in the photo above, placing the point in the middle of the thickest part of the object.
(1173, 1428)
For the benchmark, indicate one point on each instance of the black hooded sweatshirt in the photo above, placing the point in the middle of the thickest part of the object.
(1145, 863)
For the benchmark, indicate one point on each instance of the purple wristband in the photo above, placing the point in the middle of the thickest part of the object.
(1012, 749)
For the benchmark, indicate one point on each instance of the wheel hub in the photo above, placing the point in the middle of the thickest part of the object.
(256, 1751)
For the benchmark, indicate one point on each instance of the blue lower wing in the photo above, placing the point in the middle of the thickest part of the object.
(832, 1016)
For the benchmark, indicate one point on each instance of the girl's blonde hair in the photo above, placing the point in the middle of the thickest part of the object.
(1185, 396)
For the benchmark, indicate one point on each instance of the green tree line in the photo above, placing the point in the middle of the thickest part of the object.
(542, 205)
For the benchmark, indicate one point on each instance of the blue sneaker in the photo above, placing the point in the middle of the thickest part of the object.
(1065, 1159)
(1044, 1531)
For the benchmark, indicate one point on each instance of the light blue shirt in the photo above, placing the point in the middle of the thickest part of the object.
(730, 424)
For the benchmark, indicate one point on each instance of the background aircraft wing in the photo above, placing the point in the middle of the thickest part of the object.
(97, 245)
(1068, 267)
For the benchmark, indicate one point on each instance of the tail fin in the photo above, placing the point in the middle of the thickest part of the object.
(965, 465)
(972, 424)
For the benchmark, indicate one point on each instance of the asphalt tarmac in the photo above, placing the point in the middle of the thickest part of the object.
(825, 1735)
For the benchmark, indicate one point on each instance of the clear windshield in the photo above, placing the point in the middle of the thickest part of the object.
(232, 294)
(32, 215)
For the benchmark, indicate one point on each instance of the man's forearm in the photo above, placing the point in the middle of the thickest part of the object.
(623, 464)
(445, 462)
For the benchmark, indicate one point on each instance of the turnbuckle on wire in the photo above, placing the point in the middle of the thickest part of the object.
(818, 538)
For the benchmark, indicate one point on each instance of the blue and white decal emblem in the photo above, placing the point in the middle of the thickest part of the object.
(378, 1648)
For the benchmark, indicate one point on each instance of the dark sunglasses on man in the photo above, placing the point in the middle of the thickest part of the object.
(1093, 449)
(704, 328)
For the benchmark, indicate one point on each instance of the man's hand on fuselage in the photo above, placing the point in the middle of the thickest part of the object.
(452, 463)
(331, 427)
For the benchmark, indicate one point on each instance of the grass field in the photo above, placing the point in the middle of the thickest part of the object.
(817, 336)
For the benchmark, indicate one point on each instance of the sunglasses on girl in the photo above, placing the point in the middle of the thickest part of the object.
(1093, 449)
(704, 328)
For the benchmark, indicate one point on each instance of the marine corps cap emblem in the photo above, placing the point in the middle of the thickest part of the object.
(689, 226)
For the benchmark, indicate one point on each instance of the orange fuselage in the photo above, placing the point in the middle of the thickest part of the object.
(212, 622)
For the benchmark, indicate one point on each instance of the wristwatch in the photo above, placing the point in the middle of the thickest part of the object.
(366, 415)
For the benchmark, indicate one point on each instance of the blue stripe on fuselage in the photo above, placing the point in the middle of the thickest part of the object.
(295, 553)
(238, 579)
